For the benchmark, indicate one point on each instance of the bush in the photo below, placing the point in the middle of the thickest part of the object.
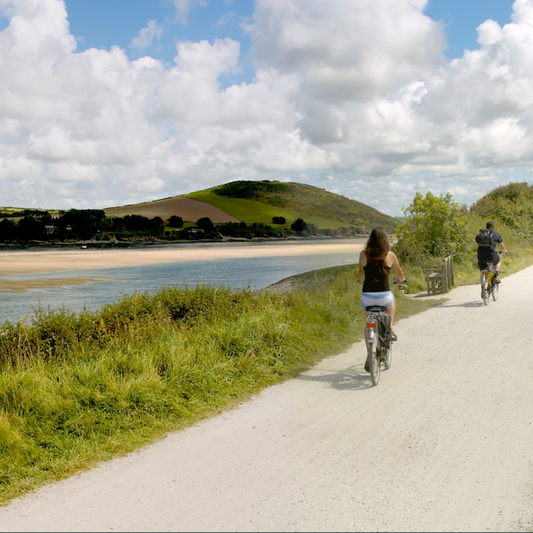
(434, 226)
(279, 220)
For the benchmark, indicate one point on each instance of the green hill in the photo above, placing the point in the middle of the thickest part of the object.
(259, 201)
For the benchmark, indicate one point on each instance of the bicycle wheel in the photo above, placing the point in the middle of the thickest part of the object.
(495, 291)
(387, 359)
(485, 293)
(373, 361)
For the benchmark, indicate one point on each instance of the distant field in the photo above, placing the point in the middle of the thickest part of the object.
(186, 208)
(252, 211)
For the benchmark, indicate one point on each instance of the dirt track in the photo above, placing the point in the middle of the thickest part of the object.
(444, 443)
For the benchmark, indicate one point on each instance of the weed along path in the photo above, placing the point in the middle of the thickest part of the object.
(443, 443)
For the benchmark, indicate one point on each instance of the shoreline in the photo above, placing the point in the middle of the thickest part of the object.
(16, 263)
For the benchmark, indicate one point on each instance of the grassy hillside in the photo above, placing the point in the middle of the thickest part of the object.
(256, 211)
(252, 199)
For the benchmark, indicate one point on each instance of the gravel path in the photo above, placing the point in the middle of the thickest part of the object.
(443, 443)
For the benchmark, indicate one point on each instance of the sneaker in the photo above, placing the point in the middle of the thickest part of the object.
(393, 336)
(367, 366)
(496, 279)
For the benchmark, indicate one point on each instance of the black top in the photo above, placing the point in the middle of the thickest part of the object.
(374, 281)
(486, 253)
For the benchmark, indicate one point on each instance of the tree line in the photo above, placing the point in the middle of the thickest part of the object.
(93, 224)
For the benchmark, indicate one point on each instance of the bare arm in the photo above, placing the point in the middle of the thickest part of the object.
(362, 263)
(503, 248)
(396, 267)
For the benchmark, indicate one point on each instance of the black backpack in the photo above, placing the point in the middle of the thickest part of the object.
(484, 238)
(384, 320)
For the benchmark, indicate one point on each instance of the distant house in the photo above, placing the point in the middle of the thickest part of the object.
(50, 229)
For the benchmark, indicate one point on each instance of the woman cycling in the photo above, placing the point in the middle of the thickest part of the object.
(375, 264)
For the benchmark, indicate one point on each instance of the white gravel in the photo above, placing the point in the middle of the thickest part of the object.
(443, 443)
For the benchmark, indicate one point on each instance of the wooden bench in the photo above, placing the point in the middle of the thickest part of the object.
(440, 277)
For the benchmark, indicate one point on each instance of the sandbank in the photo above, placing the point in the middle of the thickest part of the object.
(16, 263)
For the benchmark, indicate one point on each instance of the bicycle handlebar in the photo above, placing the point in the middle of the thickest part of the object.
(401, 285)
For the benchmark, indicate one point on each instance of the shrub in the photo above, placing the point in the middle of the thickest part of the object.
(434, 226)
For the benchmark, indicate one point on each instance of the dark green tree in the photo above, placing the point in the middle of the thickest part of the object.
(175, 221)
(205, 224)
(299, 225)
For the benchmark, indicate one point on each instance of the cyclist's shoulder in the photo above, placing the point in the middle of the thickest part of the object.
(496, 236)
(391, 256)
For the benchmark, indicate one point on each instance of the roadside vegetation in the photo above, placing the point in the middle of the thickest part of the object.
(436, 226)
(78, 389)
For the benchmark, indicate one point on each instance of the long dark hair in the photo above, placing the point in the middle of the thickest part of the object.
(376, 249)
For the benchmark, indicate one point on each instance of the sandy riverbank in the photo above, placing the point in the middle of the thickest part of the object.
(15, 263)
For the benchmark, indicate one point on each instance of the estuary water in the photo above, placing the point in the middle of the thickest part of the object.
(254, 273)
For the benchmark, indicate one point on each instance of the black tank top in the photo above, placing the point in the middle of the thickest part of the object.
(374, 281)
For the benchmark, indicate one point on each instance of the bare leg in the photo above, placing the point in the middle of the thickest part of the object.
(391, 311)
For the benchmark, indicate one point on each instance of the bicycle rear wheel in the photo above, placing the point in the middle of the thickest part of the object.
(485, 293)
(387, 359)
(373, 361)
(495, 291)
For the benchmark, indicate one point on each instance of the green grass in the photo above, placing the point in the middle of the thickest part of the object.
(253, 211)
(78, 389)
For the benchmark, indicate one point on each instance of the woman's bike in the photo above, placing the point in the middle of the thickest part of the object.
(488, 287)
(378, 338)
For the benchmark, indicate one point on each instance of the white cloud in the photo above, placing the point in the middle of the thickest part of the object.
(354, 95)
(184, 6)
(146, 36)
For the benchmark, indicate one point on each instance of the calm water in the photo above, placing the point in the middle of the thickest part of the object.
(254, 273)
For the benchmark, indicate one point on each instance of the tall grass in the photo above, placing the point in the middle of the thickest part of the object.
(77, 389)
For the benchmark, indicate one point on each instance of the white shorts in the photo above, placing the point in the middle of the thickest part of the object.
(385, 299)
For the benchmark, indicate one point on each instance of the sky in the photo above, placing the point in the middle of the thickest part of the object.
(113, 102)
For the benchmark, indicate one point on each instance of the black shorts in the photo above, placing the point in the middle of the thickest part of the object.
(494, 260)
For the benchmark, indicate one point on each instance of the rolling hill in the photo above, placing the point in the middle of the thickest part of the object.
(259, 201)
(255, 201)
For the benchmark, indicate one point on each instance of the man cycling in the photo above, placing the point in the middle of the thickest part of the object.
(488, 254)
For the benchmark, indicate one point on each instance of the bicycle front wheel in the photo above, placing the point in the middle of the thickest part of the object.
(495, 291)
(373, 362)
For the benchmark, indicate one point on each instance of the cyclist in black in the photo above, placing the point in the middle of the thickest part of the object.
(488, 254)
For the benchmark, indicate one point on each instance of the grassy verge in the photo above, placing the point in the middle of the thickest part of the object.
(78, 389)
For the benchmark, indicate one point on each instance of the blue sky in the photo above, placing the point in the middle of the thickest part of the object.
(107, 23)
(112, 102)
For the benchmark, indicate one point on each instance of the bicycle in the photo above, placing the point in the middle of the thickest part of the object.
(488, 287)
(378, 344)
